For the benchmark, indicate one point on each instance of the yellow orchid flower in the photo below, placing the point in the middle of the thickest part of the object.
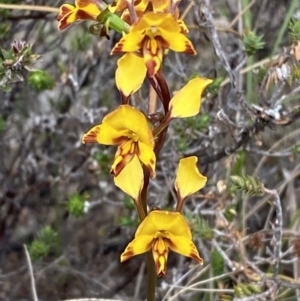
(150, 36)
(141, 6)
(162, 231)
(83, 10)
(128, 128)
(187, 101)
(188, 179)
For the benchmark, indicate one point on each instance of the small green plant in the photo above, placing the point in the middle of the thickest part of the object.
(13, 61)
(247, 184)
(214, 87)
(103, 158)
(252, 42)
(294, 30)
(243, 290)
(2, 124)
(200, 227)
(230, 212)
(41, 80)
(217, 263)
(45, 242)
(76, 204)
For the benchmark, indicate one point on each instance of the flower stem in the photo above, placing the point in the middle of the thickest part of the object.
(145, 189)
(140, 210)
(160, 86)
(151, 277)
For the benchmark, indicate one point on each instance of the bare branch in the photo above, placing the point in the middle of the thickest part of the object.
(277, 229)
(32, 280)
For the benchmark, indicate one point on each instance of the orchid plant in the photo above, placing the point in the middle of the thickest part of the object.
(150, 29)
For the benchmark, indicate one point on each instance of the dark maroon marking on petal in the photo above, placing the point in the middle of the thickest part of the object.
(118, 168)
(120, 140)
(63, 12)
(82, 15)
(198, 259)
(63, 24)
(91, 137)
(128, 254)
(189, 49)
(169, 242)
(118, 48)
(151, 65)
(84, 3)
(126, 158)
(160, 40)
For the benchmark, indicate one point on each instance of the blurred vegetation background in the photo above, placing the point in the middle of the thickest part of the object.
(57, 197)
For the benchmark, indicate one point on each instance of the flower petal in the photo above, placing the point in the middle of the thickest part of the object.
(154, 20)
(131, 178)
(127, 118)
(66, 15)
(147, 156)
(161, 5)
(177, 41)
(136, 247)
(125, 153)
(187, 101)
(168, 221)
(130, 73)
(153, 55)
(184, 246)
(104, 134)
(129, 43)
(188, 178)
(90, 7)
(160, 252)
(64, 10)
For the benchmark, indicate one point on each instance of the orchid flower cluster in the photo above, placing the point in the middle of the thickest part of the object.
(149, 29)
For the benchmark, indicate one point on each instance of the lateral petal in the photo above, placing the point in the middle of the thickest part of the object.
(184, 246)
(138, 246)
(104, 134)
(177, 41)
(130, 73)
(129, 43)
(187, 101)
(131, 178)
(188, 178)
